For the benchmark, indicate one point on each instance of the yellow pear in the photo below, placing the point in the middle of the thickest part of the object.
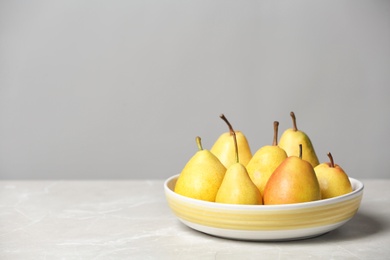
(237, 187)
(224, 148)
(294, 181)
(333, 179)
(265, 161)
(290, 140)
(202, 175)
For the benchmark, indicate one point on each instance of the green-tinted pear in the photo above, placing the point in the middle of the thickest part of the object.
(202, 175)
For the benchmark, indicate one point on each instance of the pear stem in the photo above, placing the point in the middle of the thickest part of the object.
(275, 140)
(331, 160)
(295, 128)
(232, 132)
(228, 123)
(199, 143)
(236, 146)
(300, 151)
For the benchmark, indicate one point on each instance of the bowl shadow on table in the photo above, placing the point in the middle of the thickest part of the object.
(360, 226)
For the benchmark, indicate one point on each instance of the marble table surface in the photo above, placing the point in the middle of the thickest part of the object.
(130, 219)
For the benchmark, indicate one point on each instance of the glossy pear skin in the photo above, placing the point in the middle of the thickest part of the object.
(237, 187)
(333, 180)
(263, 164)
(201, 177)
(224, 149)
(290, 140)
(294, 181)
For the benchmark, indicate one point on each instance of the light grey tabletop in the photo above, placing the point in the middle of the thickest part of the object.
(131, 220)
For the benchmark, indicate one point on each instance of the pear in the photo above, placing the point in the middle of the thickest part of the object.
(224, 146)
(294, 181)
(265, 161)
(333, 179)
(202, 175)
(237, 187)
(290, 140)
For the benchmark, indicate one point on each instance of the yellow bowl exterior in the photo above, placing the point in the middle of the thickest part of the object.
(301, 216)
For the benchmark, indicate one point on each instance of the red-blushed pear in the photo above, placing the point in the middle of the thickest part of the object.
(224, 147)
(265, 161)
(290, 140)
(333, 180)
(201, 176)
(237, 187)
(294, 181)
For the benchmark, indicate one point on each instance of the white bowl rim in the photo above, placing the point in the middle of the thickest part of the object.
(357, 186)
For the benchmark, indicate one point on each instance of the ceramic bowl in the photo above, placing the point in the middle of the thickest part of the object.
(264, 222)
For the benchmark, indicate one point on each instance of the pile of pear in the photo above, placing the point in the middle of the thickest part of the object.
(284, 172)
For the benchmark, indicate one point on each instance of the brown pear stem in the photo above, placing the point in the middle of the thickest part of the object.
(232, 132)
(331, 160)
(236, 146)
(295, 128)
(275, 140)
(199, 143)
(300, 151)
(228, 123)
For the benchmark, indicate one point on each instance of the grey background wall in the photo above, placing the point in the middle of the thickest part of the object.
(120, 89)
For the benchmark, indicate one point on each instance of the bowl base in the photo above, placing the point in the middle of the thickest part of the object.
(264, 235)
